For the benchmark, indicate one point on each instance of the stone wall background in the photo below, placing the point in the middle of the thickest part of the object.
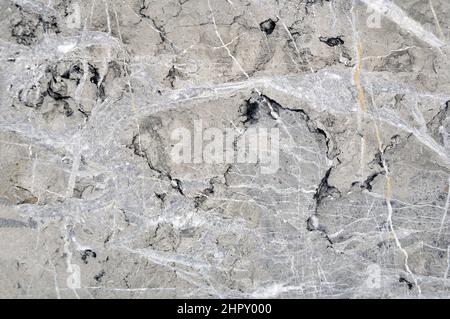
(91, 205)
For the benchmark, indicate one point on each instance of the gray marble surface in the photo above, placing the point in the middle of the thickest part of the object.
(94, 205)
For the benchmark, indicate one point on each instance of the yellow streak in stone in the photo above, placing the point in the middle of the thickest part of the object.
(377, 135)
(388, 188)
(357, 78)
(388, 191)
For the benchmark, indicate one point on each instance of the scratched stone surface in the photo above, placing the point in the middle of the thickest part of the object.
(93, 206)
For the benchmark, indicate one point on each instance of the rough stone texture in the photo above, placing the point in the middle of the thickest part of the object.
(90, 92)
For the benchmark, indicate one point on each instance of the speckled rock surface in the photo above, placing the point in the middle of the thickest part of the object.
(355, 205)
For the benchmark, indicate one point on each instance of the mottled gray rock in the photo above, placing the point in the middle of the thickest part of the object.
(353, 202)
